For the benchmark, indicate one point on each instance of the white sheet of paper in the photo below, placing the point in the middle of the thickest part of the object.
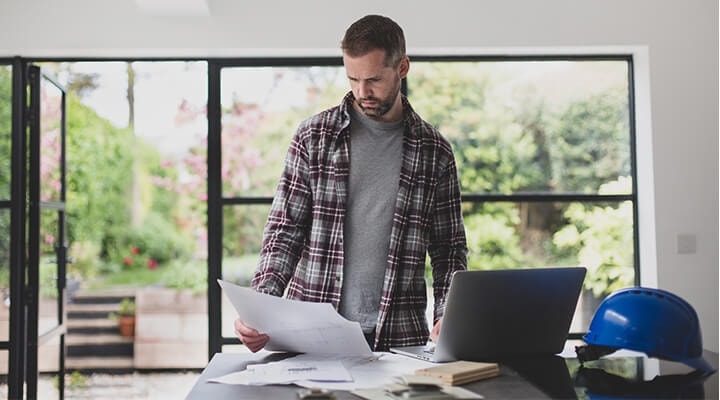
(374, 372)
(288, 371)
(364, 372)
(297, 326)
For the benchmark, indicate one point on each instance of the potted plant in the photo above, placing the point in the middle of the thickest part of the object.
(125, 317)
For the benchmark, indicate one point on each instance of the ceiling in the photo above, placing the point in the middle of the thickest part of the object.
(174, 8)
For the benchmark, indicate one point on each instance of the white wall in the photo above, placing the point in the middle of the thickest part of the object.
(675, 42)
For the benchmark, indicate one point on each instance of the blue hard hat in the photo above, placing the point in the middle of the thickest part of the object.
(653, 321)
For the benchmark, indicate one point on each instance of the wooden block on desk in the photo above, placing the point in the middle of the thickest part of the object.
(461, 372)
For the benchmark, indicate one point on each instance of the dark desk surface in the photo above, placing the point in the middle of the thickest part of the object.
(552, 377)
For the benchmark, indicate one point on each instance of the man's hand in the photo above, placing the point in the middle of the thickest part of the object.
(250, 337)
(435, 332)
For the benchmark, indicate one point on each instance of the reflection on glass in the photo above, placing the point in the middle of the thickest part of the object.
(5, 129)
(261, 109)
(530, 127)
(598, 236)
(51, 100)
(48, 273)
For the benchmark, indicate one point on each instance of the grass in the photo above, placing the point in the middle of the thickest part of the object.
(129, 277)
(236, 269)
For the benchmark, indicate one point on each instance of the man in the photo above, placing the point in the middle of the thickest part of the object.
(368, 190)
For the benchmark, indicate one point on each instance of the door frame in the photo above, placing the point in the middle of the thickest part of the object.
(25, 218)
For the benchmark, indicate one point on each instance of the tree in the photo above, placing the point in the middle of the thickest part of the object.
(590, 142)
(602, 238)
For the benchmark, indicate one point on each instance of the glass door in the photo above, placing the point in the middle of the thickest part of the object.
(47, 247)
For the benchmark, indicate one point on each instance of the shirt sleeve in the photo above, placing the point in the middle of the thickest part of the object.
(287, 224)
(448, 247)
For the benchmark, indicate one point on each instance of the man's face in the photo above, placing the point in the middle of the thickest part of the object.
(376, 87)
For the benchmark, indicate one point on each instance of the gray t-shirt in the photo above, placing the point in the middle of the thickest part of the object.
(375, 161)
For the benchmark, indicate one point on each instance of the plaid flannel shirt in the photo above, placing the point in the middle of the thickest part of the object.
(302, 251)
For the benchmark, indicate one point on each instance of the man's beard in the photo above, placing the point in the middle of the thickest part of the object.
(382, 107)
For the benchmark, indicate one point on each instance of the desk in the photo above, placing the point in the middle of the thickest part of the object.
(543, 378)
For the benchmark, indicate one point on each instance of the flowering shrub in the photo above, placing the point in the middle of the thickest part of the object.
(136, 259)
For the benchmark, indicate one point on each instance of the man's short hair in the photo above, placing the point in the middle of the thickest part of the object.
(373, 32)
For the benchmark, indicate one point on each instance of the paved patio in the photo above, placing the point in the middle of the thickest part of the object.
(136, 386)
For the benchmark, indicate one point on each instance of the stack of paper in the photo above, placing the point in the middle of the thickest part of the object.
(461, 372)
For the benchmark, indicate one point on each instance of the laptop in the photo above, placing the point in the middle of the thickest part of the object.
(503, 314)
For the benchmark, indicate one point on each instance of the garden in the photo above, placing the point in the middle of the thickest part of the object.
(137, 214)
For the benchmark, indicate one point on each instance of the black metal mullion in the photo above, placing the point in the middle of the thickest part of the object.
(33, 276)
(17, 334)
(214, 210)
(544, 198)
(480, 198)
(62, 247)
(633, 170)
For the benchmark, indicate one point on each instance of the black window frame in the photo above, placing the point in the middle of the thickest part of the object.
(216, 201)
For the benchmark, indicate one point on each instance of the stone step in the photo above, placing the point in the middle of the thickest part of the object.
(115, 365)
(93, 341)
(80, 308)
(105, 296)
(101, 350)
(96, 339)
(95, 323)
(98, 314)
(73, 323)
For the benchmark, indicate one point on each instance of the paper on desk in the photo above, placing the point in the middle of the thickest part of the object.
(326, 371)
(297, 326)
(372, 372)
(288, 371)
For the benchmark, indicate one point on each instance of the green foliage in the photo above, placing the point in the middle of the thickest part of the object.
(75, 381)
(5, 159)
(155, 241)
(240, 270)
(85, 255)
(494, 150)
(99, 163)
(119, 276)
(602, 239)
(48, 278)
(492, 241)
(5, 130)
(102, 161)
(515, 143)
(186, 275)
(125, 309)
(590, 142)
(242, 229)
(506, 139)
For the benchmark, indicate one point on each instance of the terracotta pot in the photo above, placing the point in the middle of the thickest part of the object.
(127, 325)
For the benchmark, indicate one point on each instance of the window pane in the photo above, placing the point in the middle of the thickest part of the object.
(5, 130)
(598, 236)
(242, 239)
(48, 293)
(529, 126)
(261, 109)
(137, 164)
(51, 102)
